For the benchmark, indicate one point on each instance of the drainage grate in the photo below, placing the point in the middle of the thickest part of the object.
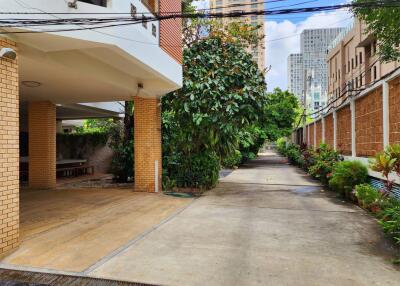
(27, 278)
(379, 185)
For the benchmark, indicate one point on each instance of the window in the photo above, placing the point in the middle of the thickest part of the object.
(356, 82)
(352, 63)
(102, 3)
(361, 59)
(144, 23)
(375, 74)
(154, 30)
(360, 80)
(356, 60)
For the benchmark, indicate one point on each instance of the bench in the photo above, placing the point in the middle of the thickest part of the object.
(75, 171)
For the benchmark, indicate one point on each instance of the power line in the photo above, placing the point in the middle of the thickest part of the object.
(345, 90)
(101, 23)
(372, 4)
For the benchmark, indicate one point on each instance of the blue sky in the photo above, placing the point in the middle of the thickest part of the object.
(282, 33)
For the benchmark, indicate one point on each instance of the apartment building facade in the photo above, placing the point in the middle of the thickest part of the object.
(295, 75)
(227, 6)
(363, 115)
(353, 63)
(49, 68)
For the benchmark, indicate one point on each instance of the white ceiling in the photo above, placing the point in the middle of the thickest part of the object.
(73, 71)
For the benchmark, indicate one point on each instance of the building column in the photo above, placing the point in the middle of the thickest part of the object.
(315, 135)
(353, 127)
(323, 129)
(147, 143)
(9, 150)
(334, 114)
(385, 112)
(42, 145)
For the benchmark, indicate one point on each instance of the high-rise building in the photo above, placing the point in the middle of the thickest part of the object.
(295, 75)
(314, 44)
(226, 6)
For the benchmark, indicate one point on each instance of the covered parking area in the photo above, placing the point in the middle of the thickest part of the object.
(71, 230)
(51, 71)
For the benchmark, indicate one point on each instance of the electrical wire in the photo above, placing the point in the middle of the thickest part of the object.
(349, 92)
(343, 92)
(101, 23)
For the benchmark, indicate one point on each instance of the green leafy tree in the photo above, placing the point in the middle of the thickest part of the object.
(280, 114)
(223, 93)
(384, 23)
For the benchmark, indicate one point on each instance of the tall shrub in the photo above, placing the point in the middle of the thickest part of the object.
(223, 95)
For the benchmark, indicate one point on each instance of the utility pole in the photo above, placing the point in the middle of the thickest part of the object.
(307, 82)
(304, 105)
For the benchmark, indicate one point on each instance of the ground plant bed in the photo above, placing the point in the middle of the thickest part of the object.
(350, 180)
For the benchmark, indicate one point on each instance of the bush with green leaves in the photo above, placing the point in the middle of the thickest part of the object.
(199, 170)
(323, 163)
(346, 175)
(390, 221)
(251, 139)
(281, 146)
(232, 160)
(122, 163)
(80, 145)
(307, 158)
(293, 153)
(368, 197)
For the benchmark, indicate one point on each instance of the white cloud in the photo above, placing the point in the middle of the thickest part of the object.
(278, 51)
(202, 4)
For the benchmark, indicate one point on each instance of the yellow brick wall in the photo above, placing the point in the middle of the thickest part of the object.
(9, 151)
(42, 145)
(147, 114)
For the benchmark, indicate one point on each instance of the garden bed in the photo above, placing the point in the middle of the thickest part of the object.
(351, 181)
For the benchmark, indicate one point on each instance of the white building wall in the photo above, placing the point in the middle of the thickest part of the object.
(136, 42)
(295, 75)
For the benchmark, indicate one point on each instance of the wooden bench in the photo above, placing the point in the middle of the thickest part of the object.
(75, 171)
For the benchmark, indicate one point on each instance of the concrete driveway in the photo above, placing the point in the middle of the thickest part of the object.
(265, 224)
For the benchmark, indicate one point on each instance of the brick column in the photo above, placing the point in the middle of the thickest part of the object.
(42, 145)
(9, 150)
(334, 115)
(385, 113)
(353, 127)
(148, 165)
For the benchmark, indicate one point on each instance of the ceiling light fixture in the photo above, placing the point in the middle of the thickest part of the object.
(33, 84)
